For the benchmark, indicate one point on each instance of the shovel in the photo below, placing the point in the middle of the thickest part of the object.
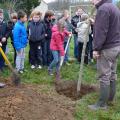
(62, 60)
(15, 77)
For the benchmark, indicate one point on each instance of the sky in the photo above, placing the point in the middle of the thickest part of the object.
(47, 1)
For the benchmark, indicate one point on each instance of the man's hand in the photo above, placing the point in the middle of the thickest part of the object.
(96, 54)
(46, 35)
(3, 39)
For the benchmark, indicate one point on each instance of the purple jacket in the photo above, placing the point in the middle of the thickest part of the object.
(107, 26)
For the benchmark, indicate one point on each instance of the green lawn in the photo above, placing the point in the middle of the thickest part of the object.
(71, 73)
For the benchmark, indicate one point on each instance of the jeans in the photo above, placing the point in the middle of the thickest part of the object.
(56, 60)
(1, 58)
(47, 54)
(75, 45)
(20, 59)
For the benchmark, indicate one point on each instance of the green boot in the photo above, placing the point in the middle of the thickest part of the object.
(104, 95)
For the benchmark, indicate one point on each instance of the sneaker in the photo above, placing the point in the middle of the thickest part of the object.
(21, 71)
(50, 72)
(2, 85)
(39, 67)
(67, 63)
(96, 107)
(32, 66)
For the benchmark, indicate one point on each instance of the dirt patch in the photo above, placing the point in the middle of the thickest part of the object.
(69, 89)
(32, 102)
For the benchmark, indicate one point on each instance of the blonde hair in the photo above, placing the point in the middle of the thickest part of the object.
(35, 12)
(61, 24)
(14, 16)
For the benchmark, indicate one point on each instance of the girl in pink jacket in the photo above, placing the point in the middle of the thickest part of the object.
(57, 44)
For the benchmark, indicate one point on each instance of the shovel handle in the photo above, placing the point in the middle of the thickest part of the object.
(6, 59)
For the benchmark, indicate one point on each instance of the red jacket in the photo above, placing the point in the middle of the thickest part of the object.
(57, 40)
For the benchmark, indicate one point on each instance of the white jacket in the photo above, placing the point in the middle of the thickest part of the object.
(83, 30)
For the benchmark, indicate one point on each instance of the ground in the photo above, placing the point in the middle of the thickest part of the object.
(40, 96)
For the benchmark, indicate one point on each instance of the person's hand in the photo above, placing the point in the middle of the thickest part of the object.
(3, 39)
(70, 35)
(0, 44)
(76, 30)
(92, 20)
(46, 35)
(96, 54)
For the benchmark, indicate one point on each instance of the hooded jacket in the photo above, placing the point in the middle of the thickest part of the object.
(107, 26)
(57, 40)
(19, 36)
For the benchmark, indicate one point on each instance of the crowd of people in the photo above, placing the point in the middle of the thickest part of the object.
(47, 38)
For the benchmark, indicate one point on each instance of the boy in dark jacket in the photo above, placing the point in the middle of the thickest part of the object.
(36, 36)
(20, 40)
(47, 54)
(3, 37)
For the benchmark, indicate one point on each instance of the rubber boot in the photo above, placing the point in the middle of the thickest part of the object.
(112, 93)
(104, 95)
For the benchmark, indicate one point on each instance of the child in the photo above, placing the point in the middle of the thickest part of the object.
(20, 40)
(36, 36)
(3, 38)
(47, 55)
(83, 34)
(57, 44)
(10, 26)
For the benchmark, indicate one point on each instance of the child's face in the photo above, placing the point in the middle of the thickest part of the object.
(24, 19)
(14, 19)
(36, 18)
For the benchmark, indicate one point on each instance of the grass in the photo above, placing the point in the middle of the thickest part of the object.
(71, 73)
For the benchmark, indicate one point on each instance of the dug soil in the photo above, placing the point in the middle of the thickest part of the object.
(34, 102)
(69, 89)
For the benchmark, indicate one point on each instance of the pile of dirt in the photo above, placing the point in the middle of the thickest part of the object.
(69, 89)
(32, 102)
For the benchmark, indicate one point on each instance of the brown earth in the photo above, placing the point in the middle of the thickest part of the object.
(34, 102)
(69, 89)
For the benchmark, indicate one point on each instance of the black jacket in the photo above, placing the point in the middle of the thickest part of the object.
(48, 28)
(10, 27)
(74, 22)
(107, 26)
(36, 31)
(3, 31)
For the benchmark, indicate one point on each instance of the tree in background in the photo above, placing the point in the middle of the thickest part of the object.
(118, 4)
(15, 5)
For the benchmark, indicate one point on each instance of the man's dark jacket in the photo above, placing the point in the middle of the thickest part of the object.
(74, 21)
(3, 31)
(107, 26)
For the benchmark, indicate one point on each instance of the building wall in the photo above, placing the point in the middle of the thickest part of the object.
(43, 7)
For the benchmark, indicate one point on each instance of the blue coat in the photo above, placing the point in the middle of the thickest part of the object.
(19, 36)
